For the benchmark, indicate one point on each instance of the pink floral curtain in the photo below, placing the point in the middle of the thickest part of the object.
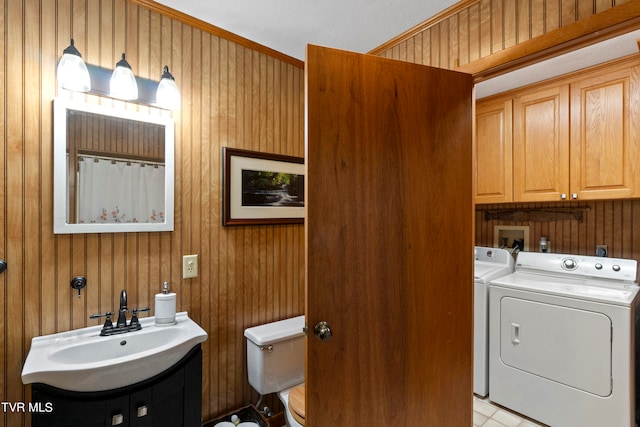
(115, 191)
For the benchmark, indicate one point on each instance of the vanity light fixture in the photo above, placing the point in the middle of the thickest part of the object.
(123, 83)
(168, 95)
(72, 72)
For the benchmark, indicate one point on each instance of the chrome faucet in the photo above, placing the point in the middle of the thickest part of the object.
(122, 313)
(121, 325)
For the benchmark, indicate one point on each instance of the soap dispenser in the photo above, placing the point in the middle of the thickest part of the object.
(165, 307)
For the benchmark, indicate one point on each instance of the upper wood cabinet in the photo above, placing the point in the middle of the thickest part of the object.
(492, 154)
(605, 145)
(574, 138)
(541, 144)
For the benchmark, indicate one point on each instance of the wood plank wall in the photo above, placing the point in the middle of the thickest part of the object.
(116, 137)
(475, 29)
(612, 223)
(232, 95)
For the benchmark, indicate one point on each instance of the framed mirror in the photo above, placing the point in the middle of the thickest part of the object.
(113, 169)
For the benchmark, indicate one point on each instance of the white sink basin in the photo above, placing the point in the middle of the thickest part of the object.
(82, 360)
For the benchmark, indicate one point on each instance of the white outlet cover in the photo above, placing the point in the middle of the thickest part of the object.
(189, 266)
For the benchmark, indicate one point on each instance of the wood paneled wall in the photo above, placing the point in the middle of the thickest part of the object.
(232, 95)
(475, 29)
(116, 137)
(612, 223)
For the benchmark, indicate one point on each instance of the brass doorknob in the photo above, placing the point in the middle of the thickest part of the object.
(323, 331)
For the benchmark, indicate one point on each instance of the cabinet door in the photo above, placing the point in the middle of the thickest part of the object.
(604, 142)
(492, 163)
(541, 144)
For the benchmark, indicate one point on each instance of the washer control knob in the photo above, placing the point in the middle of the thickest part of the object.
(569, 264)
(616, 267)
(598, 266)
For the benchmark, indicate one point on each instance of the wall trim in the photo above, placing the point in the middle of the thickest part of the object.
(612, 22)
(596, 28)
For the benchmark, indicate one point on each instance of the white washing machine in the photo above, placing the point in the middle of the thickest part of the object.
(490, 263)
(563, 339)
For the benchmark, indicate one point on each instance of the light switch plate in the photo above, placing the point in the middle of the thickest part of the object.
(189, 266)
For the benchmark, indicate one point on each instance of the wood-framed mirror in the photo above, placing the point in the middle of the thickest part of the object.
(113, 169)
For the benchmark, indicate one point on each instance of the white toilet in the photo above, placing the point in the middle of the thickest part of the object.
(275, 364)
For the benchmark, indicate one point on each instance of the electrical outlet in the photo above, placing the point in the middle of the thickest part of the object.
(601, 250)
(189, 266)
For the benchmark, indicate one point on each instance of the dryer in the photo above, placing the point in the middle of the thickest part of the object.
(490, 263)
(563, 339)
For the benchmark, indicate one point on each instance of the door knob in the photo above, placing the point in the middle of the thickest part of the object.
(323, 331)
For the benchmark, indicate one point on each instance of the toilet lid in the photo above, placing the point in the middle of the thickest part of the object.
(296, 403)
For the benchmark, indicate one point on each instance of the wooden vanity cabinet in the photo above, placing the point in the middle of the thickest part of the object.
(573, 138)
(172, 399)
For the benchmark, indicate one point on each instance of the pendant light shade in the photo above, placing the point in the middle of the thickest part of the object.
(123, 83)
(168, 95)
(72, 72)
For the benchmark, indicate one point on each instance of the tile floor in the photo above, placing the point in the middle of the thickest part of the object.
(486, 414)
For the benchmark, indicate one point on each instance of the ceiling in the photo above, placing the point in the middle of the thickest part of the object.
(287, 26)
(616, 47)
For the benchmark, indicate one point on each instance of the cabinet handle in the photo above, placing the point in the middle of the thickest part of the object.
(574, 195)
(117, 419)
(142, 411)
(563, 196)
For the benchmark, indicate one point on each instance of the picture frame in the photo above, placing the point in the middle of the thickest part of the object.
(262, 188)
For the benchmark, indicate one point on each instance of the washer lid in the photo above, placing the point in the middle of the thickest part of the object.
(486, 271)
(491, 263)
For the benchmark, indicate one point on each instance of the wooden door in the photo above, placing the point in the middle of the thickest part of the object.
(605, 147)
(492, 163)
(541, 145)
(389, 242)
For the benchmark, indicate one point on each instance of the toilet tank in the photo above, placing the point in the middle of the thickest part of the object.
(275, 355)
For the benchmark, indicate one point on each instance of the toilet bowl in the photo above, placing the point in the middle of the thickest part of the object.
(275, 364)
(292, 412)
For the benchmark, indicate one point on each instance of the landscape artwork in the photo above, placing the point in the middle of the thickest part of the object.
(262, 188)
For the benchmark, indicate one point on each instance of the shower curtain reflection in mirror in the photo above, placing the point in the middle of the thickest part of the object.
(112, 190)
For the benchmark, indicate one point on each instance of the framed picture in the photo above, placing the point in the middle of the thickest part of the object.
(262, 188)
